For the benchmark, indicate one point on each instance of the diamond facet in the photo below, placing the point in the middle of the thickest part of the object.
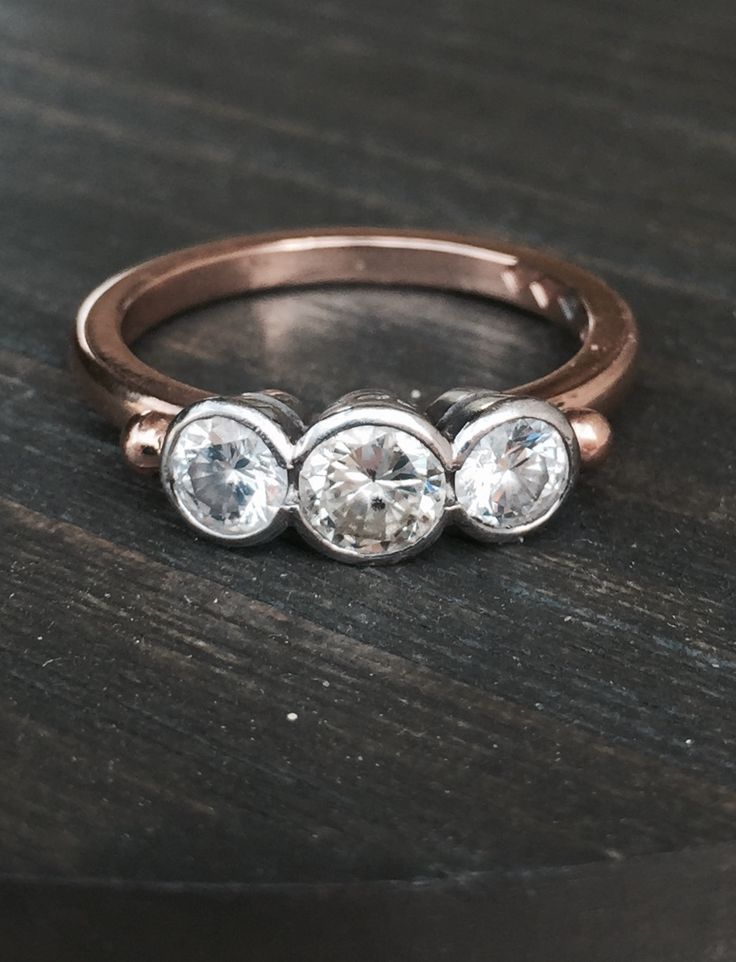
(225, 478)
(372, 489)
(515, 474)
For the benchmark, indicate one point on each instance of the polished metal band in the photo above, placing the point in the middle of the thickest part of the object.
(126, 306)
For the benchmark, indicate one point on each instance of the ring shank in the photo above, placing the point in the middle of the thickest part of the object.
(120, 385)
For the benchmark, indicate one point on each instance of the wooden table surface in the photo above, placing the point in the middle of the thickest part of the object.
(518, 753)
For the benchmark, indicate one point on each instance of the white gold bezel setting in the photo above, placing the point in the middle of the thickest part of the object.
(377, 409)
(469, 420)
(463, 418)
(272, 421)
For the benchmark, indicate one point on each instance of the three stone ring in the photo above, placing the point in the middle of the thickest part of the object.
(372, 479)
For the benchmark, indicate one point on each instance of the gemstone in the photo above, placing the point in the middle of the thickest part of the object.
(372, 489)
(225, 477)
(515, 474)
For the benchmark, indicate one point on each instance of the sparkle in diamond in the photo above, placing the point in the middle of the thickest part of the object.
(514, 475)
(226, 477)
(372, 488)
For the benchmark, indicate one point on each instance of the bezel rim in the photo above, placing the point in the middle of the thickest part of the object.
(499, 411)
(291, 443)
(242, 409)
(383, 413)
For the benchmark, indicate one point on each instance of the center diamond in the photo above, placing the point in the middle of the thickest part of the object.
(373, 489)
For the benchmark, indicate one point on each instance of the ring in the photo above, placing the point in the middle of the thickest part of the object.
(371, 480)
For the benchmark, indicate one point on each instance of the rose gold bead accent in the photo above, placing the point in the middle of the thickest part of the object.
(142, 439)
(593, 433)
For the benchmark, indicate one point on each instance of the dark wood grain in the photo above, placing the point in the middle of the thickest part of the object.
(533, 745)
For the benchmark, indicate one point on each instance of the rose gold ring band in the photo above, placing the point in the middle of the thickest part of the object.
(121, 386)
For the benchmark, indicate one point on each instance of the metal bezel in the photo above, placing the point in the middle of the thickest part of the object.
(494, 412)
(379, 412)
(274, 423)
(464, 423)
